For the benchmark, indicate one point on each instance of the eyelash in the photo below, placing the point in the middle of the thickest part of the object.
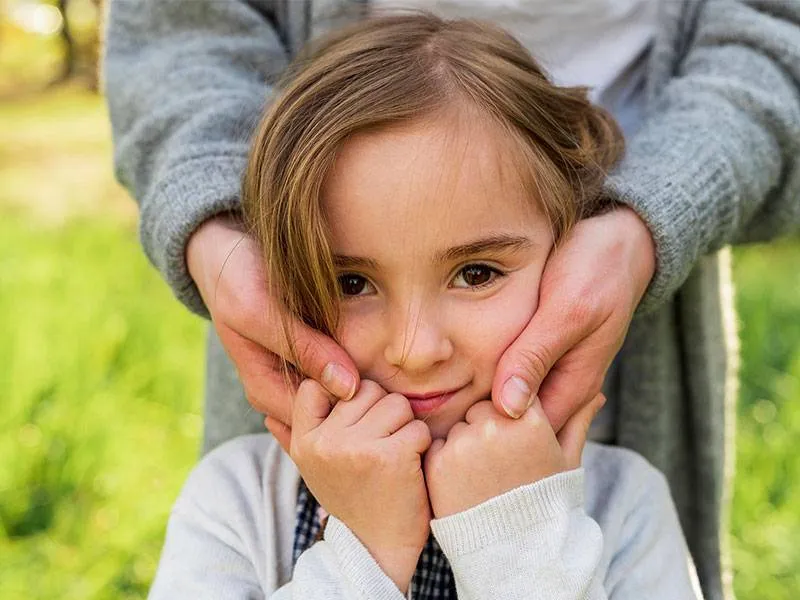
(494, 274)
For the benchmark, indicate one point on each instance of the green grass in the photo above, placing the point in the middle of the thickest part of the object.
(100, 415)
(101, 374)
(766, 511)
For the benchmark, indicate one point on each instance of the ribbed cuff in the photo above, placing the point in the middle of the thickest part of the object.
(193, 193)
(681, 192)
(510, 514)
(357, 563)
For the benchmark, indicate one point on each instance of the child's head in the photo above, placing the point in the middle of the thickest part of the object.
(407, 186)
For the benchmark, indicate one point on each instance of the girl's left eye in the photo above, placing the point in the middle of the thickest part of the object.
(475, 276)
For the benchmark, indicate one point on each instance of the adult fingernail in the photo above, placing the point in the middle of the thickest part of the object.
(338, 381)
(516, 396)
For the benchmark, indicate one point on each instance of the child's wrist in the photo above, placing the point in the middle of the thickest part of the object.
(399, 564)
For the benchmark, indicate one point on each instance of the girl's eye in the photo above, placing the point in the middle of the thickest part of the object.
(475, 276)
(351, 284)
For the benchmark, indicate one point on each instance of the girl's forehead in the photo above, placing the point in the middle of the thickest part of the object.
(437, 169)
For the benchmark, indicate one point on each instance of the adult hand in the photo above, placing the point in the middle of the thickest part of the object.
(590, 289)
(226, 265)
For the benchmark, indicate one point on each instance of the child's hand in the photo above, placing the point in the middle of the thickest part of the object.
(362, 460)
(490, 454)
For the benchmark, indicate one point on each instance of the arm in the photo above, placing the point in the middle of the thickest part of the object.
(222, 543)
(533, 542)
(717, 159)
(537, 541)
(186, 83)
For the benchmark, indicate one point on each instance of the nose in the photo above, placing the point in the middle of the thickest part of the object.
(418, 340)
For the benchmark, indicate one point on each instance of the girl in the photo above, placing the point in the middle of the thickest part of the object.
(407, 188)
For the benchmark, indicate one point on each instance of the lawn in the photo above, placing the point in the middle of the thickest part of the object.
(101, 374)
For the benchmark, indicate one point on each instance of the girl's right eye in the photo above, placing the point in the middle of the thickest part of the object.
(351, 284)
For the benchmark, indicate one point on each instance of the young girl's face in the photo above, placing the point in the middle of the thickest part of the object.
(440, 253)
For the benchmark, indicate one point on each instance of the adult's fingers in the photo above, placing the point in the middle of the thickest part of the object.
(322, 359)
(573, 382)
(268, 388)
(525, 364)
(238, 296)
(572, 436)
(280, 432)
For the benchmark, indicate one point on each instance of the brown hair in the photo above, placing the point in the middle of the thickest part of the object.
(395, 69)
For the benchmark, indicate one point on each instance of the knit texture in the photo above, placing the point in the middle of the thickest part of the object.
(716, 161)
(607, 530)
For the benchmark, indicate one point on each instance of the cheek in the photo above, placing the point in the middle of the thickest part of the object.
(502, 324)
(359, 336)
(500, 321)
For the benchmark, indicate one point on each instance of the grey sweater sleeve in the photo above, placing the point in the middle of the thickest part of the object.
(717, 159)
(186, 83)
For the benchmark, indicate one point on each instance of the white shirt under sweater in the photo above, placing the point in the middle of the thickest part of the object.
(607, 530)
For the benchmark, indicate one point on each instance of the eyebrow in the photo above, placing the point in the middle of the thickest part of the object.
(494, 244)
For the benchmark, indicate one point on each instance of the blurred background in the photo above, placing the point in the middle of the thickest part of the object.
(101, 369)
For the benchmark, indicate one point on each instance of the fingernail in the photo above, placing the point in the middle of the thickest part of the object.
(516, 396)
(338, 381)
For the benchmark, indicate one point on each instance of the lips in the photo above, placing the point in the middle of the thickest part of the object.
(423, 404)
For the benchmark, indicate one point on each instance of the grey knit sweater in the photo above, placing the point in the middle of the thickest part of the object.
(716, 161)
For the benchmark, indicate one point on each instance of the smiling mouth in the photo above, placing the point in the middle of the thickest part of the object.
(425, 404)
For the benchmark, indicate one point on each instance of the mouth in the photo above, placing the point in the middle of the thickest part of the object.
(425, 404)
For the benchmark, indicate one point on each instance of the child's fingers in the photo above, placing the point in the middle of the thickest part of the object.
(347, 413)
(312, 405)
(572, 436)
(414, 434)
(281, 432)
(387, 415)
(433, 451)
(481, 411)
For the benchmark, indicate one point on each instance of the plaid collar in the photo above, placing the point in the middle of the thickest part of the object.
(433, 579)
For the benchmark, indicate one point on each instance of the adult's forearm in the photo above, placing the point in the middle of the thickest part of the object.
(717, 160)
(186, 83)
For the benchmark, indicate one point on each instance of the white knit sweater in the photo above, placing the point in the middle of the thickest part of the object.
(607, 530)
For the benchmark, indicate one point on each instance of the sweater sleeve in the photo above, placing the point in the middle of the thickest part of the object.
(538, 542)
(534, 542)
(186, 83)
(221, 541)
(717, 159)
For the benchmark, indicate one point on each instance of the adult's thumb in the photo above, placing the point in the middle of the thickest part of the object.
(527, 361)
